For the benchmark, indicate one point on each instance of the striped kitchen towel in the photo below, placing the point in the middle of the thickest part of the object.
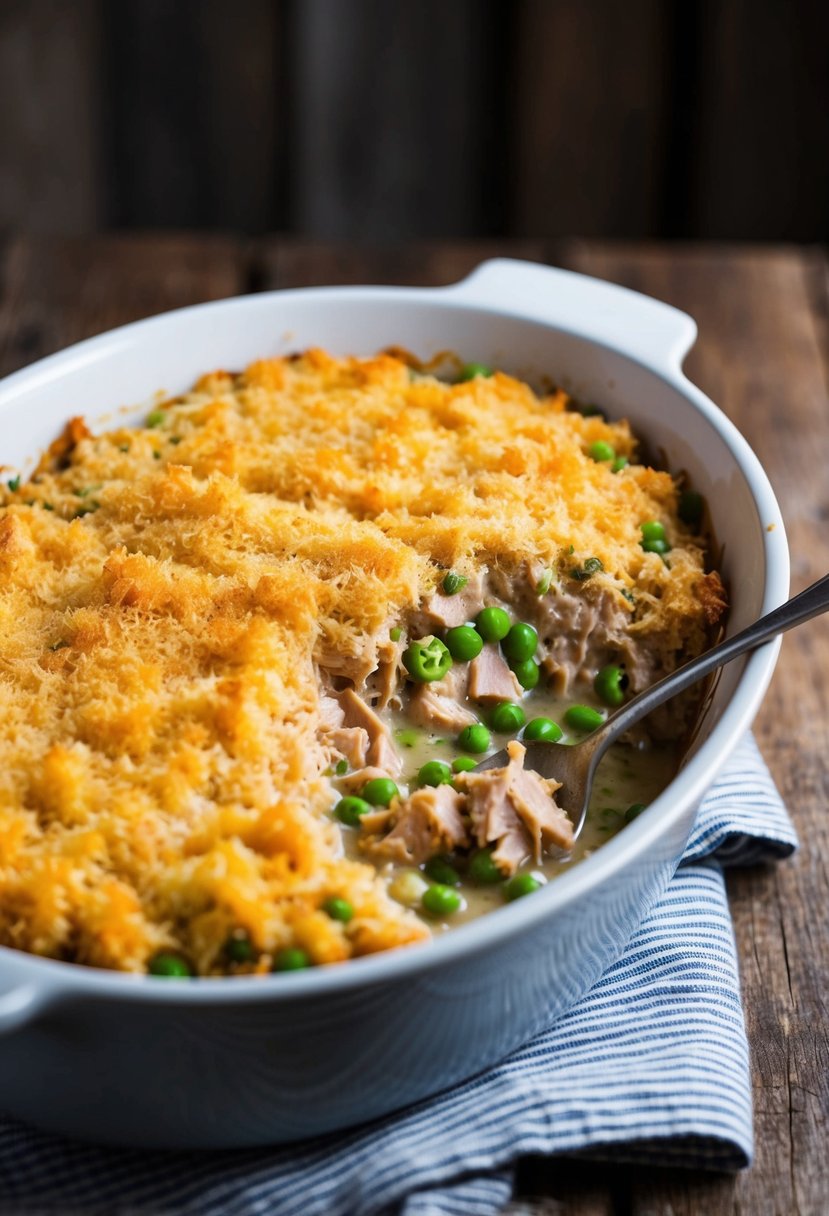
(652, 1065)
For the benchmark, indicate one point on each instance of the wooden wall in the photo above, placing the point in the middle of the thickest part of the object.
(384, 119)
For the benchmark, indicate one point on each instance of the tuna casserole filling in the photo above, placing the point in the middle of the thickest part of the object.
(226, 632)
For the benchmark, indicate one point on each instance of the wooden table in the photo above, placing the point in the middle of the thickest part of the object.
(763, 355)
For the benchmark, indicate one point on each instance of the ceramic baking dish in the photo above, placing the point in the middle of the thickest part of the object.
(223, 1062)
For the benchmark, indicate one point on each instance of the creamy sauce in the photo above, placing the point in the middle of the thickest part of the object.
(627, 775)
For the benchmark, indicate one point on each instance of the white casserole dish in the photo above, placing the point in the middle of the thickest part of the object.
(221, 1063)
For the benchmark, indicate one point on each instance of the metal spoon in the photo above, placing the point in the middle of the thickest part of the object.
(574, 765)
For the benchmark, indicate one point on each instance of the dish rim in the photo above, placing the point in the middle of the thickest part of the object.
(471, 938)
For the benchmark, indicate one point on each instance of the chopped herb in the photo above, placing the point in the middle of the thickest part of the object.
(123, 447)
(629, 596)
(87, 509)
(591, 566)
(155, 418)
(544, 583)
(396, 633)
(85, 490)
(453, 583)
(156, 455)
(14, 484)
(175, 440)
(572, 550)
(47, 506)
(341, 768)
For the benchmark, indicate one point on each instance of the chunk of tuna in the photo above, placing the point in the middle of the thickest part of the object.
(440, 705)
(446, 611)
(515, 810)
(352, 783)
(350, 742)
(438, 712)
(547, 823)
(384, 685)
(381, 753)
(429, 821)
(331, 712)
(490, 679)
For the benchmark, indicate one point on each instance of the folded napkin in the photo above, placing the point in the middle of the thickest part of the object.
(651, 1065)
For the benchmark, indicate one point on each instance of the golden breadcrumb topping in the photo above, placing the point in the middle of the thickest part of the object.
(169, 594)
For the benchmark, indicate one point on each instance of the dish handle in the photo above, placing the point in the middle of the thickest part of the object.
(656, 334)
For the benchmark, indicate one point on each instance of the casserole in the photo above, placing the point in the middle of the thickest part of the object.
(282, 1058)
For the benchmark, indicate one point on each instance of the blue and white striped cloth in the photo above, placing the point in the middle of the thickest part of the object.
(651, 1065)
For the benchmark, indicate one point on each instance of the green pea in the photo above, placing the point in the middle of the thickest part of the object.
(440, 900)
(610, 684)
(652, 529)
(621, 462)
(601, 451)
(441, 871)
(291, 959)
(475, 738)
(483, 870)
(583, 717)
(380, 791)
(690, 508)
(492, 624)
(350, 810)
(464, 643)
(427, 660)
(634, 811)
(521, 884)
(464, 764)
(339, 909)
(656, 546)
(526, 673)
(170, 966)
(542, 730)
(520, 643)
(155, 418)
(434, 772)
(453, 583)
(507, 718)
(470, 370)
(240, 949)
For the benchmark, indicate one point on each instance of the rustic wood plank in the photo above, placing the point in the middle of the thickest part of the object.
(588, 129)
(57, 291)
(294, 262)
(759, 356)
(760, 118)
(192, 96)
(50, 170)
(392, 117)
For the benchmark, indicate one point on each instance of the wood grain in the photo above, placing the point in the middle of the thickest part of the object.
(589, 119)
(51, 171)
(763, 355)
(57, 291)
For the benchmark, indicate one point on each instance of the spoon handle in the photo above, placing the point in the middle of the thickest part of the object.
(811, 602)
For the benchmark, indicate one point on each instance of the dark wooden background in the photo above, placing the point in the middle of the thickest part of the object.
(386, 119)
